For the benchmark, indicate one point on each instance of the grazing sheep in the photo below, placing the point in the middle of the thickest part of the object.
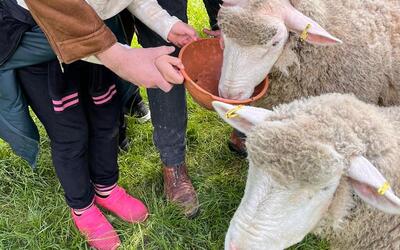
(263, 37)
(317, 165)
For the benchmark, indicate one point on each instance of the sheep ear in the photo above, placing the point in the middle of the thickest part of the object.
(299, 23)
(370, 185)
(242, 119)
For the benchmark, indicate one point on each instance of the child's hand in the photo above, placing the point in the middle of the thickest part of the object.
(169, 68)
(137, 65)
(182, 34)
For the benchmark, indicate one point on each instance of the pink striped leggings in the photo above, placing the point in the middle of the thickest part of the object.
(80, 111)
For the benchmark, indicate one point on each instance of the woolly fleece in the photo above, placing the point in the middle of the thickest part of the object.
(366, 64)
(294, 146)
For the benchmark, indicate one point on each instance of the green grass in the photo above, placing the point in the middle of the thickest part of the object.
(33, 214)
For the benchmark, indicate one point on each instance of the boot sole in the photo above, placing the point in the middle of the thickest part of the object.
(240, 152)
(193, 214)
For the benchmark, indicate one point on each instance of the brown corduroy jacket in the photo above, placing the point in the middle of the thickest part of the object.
(71, 35)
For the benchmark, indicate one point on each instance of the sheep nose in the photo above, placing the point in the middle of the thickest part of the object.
(233, 95)
(230, 93)
(232, 246)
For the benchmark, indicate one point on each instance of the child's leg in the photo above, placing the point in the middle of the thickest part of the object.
(103, 109)
(68, 132)
(67, 127)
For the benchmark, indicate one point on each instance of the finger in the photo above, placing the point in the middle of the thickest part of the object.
(176, 76)
(189, 39)
(171, 72)
(192, 37)
(184, 41)
(164, 85)
(163, 50)
(175, 61)
(181, 78)
(210, 32)
(192, 33)
(179, 43)
(221, 43)
(186, 29)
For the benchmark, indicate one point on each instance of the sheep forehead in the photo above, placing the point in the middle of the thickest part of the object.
(245, 27)
(288, 157)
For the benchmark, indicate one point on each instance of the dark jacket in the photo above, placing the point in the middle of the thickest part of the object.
(14, 23)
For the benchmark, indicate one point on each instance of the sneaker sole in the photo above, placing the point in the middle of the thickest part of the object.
(124, 146)
(144, 119)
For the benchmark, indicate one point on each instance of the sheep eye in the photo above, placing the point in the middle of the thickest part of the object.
(325, 188)
(275, 43)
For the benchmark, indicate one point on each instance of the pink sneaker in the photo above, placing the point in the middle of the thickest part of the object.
(99, 233)
(124, 206)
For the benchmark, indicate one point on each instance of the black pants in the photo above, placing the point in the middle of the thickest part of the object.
(83, 130)
(168, 110)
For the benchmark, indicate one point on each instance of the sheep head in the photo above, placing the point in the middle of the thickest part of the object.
(292, 180)
(255, 33)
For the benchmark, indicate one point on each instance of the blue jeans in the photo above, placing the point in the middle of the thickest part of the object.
(17, 127)
(168, 110)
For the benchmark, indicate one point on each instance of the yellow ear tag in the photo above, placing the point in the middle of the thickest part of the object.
(384, 188)
(232, 113)
(304, 34)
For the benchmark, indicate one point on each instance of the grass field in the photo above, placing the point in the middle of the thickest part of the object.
(33, 214)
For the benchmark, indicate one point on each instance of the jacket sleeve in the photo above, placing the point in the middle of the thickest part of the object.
(73, 28)
(156, 18)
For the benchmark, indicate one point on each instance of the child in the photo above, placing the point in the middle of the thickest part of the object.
(79, 107)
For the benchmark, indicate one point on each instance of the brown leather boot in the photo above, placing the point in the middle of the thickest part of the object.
(237, 143)
(179, 189)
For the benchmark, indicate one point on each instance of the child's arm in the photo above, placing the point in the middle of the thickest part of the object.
(170, 28)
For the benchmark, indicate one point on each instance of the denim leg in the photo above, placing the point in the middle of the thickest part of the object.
(33, 49)
(18, 128)
(169, 117)
(169, 112)
(212, 7)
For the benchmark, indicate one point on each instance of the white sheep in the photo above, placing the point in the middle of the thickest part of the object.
(317, 165)
(263, 37)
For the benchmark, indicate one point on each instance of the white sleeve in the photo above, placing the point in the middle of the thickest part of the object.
(22, 4)
(155, 17)
(93, 59)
